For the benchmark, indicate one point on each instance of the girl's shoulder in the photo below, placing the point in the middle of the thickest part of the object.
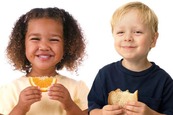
(15, 84)
(70, 82)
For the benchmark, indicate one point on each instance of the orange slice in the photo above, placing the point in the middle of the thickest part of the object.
(42, 82)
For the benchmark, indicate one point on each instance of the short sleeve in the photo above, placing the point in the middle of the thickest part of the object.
(82, 91)
(6, 100)
(9, 94)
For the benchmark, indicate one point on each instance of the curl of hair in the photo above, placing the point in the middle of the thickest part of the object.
(74, 41)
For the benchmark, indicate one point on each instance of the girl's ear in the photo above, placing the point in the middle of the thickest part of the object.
(156, 35)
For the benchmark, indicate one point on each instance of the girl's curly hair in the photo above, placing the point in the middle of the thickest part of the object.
(74, 42)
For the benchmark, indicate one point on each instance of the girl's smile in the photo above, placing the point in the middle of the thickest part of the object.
(44, 43)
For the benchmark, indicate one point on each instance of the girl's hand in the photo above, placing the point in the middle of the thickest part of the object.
(112, 110)
(60, 93)
(27, 97)
(139, 108)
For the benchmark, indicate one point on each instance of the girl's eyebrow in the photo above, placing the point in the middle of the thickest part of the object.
(33, 34)
(52, 35)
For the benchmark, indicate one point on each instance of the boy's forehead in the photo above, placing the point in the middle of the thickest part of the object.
(119, 16)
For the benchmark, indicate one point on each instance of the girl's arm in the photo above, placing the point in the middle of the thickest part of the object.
(17, 111)
(75, 110)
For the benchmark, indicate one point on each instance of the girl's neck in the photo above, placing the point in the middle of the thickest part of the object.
(136, 65)
(40, 73)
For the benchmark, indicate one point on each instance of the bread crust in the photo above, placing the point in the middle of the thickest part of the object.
(121, 97)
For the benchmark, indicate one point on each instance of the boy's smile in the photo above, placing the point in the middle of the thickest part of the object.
(133, 38)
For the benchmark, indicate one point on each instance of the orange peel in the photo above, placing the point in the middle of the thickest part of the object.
(42, 82)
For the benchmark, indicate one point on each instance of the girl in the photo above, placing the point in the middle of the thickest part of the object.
(43, 41)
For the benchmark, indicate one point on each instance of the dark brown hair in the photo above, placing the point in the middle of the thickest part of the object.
(74, 42)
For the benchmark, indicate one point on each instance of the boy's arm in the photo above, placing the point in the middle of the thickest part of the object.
(156, 113)
(96, 112)
(108, 110)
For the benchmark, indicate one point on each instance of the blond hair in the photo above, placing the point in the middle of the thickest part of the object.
(146, 15)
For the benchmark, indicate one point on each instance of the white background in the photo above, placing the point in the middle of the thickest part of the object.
(94, 17)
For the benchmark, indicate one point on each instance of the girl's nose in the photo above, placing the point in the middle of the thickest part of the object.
(44, 46)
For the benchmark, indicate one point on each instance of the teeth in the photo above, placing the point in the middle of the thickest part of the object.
(44, 57)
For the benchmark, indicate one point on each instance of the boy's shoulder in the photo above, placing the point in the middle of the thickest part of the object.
(159, 69)
(110, 65)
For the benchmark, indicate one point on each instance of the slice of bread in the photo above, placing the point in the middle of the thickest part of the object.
(121, 97)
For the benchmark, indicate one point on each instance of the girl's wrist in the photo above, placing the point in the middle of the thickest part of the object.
(18, 110)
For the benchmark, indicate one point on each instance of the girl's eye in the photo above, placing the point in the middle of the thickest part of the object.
(54, 39)
(35, 38)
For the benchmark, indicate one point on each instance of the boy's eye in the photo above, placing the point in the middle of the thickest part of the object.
(138, 32)
(120, 32)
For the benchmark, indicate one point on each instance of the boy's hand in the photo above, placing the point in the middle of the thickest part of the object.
(139, 108)
(112, 110)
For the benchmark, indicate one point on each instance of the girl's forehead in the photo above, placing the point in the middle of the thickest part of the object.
(45, 18)
(44, 21)
(44, 26)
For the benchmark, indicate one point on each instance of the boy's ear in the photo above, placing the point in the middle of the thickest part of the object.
(156, 35)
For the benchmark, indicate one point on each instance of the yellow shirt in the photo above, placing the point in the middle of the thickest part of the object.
(9, 95)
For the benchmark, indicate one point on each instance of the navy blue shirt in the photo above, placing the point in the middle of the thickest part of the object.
(154, 85)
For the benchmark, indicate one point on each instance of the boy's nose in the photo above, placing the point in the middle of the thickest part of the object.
(128, 37)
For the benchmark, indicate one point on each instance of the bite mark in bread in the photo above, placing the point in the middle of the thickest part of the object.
(121, 97)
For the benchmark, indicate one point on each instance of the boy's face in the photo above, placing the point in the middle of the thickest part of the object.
(133, 39)
(44, 43)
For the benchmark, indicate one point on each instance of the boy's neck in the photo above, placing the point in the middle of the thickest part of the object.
(136, 65)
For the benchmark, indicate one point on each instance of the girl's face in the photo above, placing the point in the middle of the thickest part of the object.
(133, 38)
(44, 43)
